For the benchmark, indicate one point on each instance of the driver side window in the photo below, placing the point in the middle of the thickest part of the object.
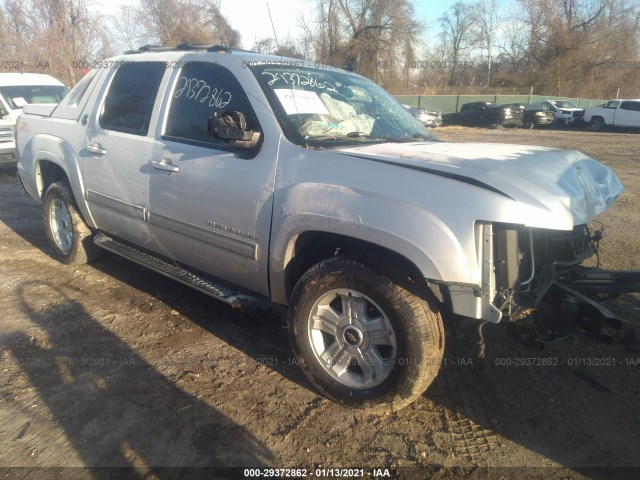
(203, 89)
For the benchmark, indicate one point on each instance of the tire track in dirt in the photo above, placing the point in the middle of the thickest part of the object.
(468, 420)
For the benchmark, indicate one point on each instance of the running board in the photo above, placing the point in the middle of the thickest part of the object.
(234, 298)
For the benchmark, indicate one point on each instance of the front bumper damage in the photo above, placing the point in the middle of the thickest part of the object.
(538, 275)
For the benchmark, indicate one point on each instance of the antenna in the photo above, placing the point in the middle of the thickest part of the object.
(273, 27)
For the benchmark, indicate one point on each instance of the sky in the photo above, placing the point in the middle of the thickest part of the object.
(251, 17)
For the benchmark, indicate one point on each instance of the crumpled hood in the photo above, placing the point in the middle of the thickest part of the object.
(559, 181)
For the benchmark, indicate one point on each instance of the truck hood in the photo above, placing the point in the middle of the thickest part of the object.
(564, 183)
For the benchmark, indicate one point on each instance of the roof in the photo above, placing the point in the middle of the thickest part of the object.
(164, 53)
(12, 79)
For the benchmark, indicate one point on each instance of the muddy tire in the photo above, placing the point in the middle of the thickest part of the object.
(68, 234)
(363, 340)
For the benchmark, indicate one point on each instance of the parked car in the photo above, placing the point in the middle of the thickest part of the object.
(567, 114)
(535, 116)
(16, 91)
(614, 113)
(8, 157)
(264, 181)
(484, 114)
(429, 117)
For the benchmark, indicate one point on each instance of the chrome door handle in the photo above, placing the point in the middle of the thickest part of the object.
(97, 149)
(165, 165)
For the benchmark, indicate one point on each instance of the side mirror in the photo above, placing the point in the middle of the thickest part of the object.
(232, 126)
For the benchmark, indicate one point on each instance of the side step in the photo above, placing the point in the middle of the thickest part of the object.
(234, 298)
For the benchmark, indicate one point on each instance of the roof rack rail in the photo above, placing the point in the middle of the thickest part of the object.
(184, 47)
(150, 48)
(203, 46)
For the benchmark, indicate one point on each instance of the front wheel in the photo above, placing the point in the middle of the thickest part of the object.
(68, 234)
(362, 339)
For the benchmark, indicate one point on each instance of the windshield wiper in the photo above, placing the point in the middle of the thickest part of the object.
(420, 136)
(342, 138)
(358, 135)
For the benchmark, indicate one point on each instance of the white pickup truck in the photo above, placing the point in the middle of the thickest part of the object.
(614, 113)
(16, 91)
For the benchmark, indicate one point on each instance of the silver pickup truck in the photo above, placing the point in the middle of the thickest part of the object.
(263, 180)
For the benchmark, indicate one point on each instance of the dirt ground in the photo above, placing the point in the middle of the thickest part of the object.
(111, 365)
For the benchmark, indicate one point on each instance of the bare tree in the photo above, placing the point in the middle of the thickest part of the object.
(284, 48)
(574, 45)
(457, 34)
(489, 21)
(563, 47)
(377, 38)
(51, 36)
(128, 32)
(171, 22)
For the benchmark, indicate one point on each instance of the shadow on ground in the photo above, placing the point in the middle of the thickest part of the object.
(115, 409)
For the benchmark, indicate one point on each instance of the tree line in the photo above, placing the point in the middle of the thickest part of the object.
(585, 48)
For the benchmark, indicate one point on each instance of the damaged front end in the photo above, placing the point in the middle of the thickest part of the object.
(539, 274)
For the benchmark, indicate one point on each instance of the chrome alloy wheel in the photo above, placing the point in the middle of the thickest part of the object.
(61, 225)
(352, 338)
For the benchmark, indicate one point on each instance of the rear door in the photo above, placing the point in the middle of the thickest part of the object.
(210, 203)
(628, 115)
(470, 114)
(117, 151)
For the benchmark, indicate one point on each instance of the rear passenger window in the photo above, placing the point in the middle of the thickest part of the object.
(203, 89)
(131, 96)
(633, 106)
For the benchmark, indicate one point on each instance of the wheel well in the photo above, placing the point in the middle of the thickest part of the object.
(47, 173)
(313, 247)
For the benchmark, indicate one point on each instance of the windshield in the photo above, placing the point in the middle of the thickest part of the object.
(323, 107)
(18, 96)
(563, 104)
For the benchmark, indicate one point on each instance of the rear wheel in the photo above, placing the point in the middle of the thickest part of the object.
(362, 339)
(597, 124)
(68, 234)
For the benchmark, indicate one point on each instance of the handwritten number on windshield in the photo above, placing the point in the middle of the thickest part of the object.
(297, 79)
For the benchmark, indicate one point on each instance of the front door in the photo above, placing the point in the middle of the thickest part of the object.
(628, 115)
(210, 203)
